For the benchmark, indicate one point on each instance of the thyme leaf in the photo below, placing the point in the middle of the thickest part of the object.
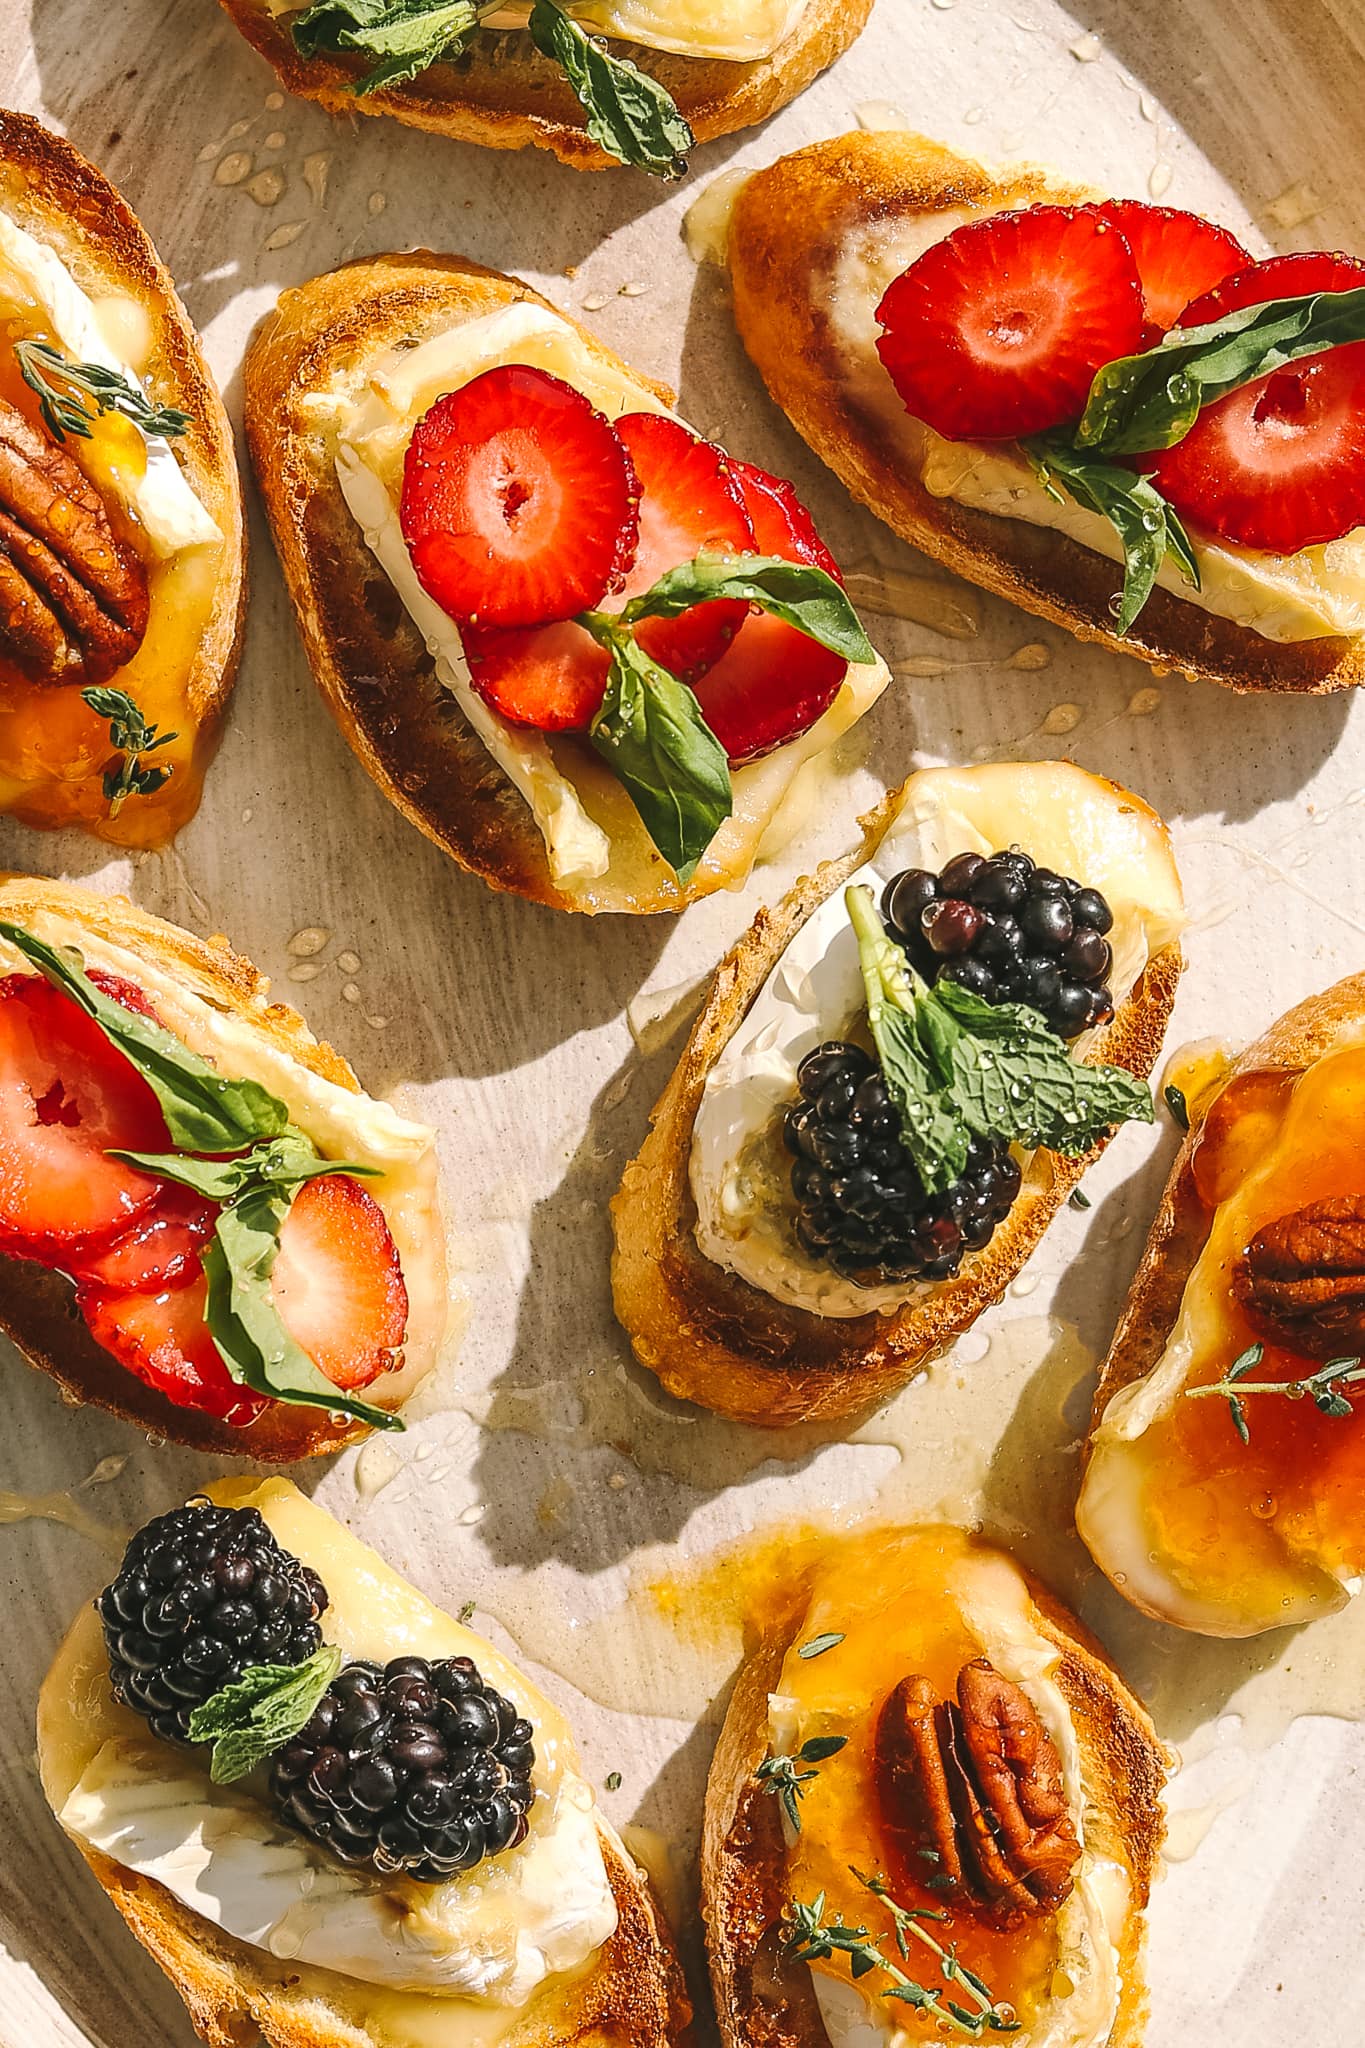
(90, 390)
(1322, 1388)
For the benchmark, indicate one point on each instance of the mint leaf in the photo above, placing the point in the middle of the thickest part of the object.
(1146, 523)
(1149, 401)
(935, 1137)
(651, 733)
(204, 1112)
(629, 113)
(402, 38)
(799, 593)
(134, 737)
(262, 1710)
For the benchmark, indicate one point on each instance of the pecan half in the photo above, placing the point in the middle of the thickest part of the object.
(73, 597)
(973, 1789)
(1301, 1280)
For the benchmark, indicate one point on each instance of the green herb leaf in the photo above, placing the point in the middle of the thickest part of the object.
(1322, 1388)
(1149, 401)
(204, 1111)
(284, 1163)
(402, 38)
(818, 1645)
(629, 113)
(1146, 523)
(1177, 1105)
(937, 1140)
(651, 733)
(134, 738)
(262, 1710)
(82, 391)
(1079, 1199)
(796, 592)
(819, 1748)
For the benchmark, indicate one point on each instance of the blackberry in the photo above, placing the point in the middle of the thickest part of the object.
(861, 1206)
(202, 1593)
(1009, 931)
(411, 1766)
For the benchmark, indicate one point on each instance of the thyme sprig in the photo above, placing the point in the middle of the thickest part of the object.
(91, 389)
(135, 739)
(782, 1775)
(1322, 1388)
(812, 1939)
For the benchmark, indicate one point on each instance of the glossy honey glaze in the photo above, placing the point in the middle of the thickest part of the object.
(54, 751)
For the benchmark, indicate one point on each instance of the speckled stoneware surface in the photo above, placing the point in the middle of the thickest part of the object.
(543, 1477)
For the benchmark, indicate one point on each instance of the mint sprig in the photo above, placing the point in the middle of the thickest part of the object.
(259, 1712)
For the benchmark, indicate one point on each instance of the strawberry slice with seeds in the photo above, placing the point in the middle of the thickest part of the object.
(1280, 464)
(1178, 255)
(997, 331)
(772, 682)
(67, 1099)
(337, 1281)
(160, 1336)
(518, 502)
(552, 678)
(157, 1252)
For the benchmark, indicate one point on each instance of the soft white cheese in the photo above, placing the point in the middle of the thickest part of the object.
(160, 495)
(1315, 592)
(1067, 820)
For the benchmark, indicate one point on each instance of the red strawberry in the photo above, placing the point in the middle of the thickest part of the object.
(67, 1098)
(161, 1336)
(1177, 254)
(689, 501)
(549, 677)
(518, 503)
(156, 1252)
(772, 683)
(997, 331)
(1280, 464)
(337, 1281)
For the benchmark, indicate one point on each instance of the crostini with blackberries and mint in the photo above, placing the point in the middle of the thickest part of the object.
(334, 1814)
(898, 1076)
(585, 650)
(1105, 410)
(206, 1226)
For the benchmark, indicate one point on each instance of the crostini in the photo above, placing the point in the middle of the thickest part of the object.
(510, 76)
(880, 1109)
(934, 1811)
(1221, 1490)
(1032, 383)
(584, 650)
(334, 1814)
(122, 563)
(206, 1227)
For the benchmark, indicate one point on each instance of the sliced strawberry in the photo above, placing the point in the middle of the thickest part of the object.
(518, 502)
(773, 682)
(67, 1098)
(161, 1336)
(1279, 277)
(337, 1281)
(689, 501)
(549, 677)
(157, 1252)
(998, 330)
(1177, 254)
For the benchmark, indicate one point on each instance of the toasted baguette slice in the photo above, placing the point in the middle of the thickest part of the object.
(49, 190)
(309, 363)
(712, 1337)
(630, 1996)
(36, 1305)
(765, 2000)
(504, 95)
(782, 281)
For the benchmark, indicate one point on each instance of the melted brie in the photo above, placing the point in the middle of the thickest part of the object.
(478, 1948)
(590, 828)
(1316, 592)
(1069, 821)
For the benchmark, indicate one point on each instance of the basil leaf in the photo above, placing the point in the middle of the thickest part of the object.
(797, 592)
(937, 1141)
(1146, 523)
(651, 733)
(244, 1323)
(260, 1711)
(204, 1112)
(629, 113)
(283, 1163)
(403, 38)
(1148, 401)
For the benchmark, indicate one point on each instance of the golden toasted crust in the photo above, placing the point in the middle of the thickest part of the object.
(505, 95)
(713, 1338)
(50, 190)
(1181, 1225)
(765, 2002)
(781, 293)
(36, 1308)
(633, 1997)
